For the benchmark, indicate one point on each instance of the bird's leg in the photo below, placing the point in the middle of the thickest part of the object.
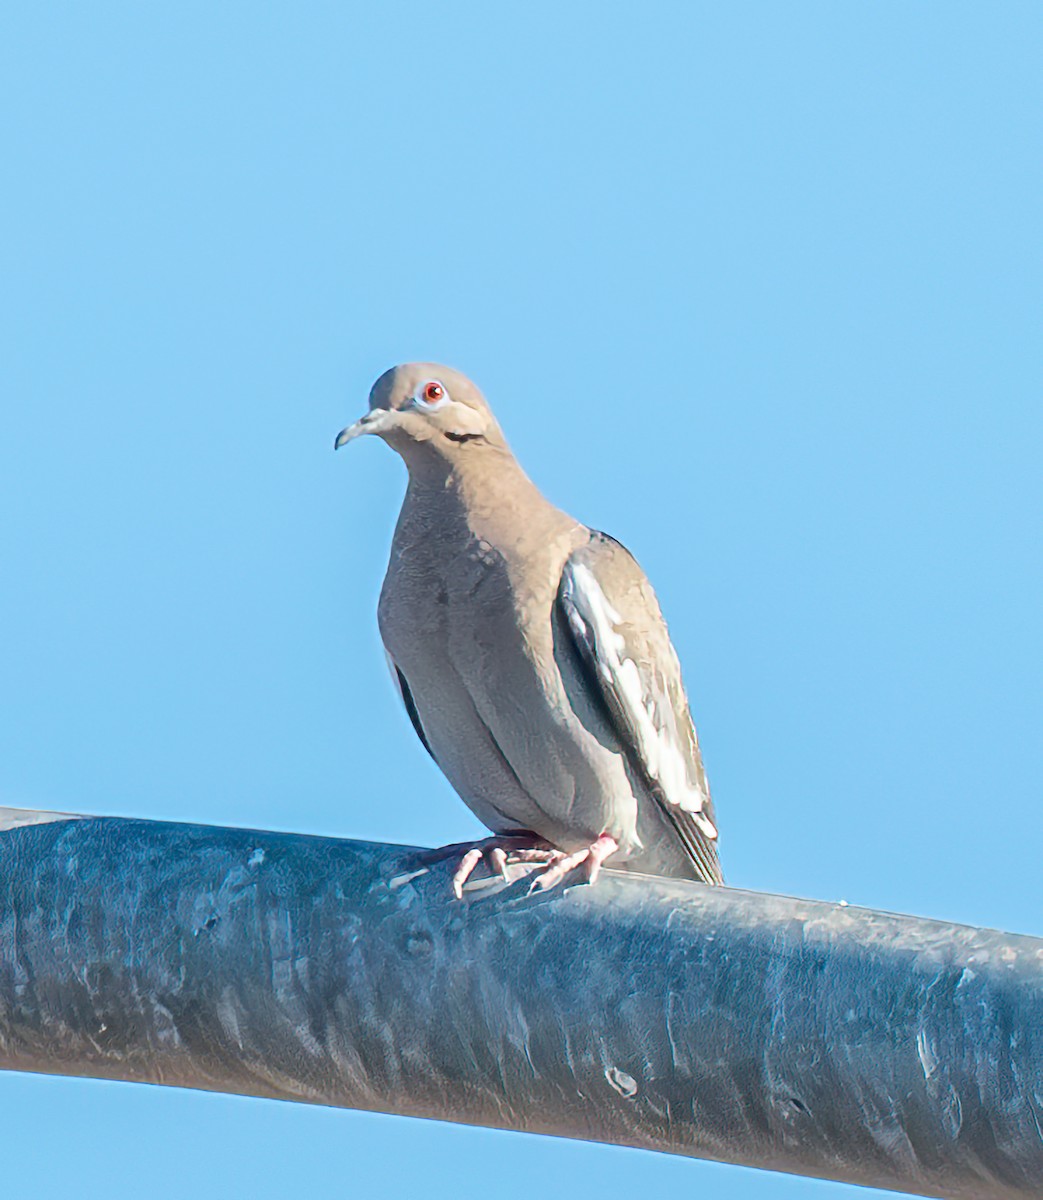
(589, 858)
(497, 853)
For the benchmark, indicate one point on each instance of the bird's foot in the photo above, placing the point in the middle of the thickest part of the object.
(589, 859)
(498, 853)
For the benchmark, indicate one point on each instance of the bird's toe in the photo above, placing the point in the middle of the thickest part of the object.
(589, 860)
(496, 853)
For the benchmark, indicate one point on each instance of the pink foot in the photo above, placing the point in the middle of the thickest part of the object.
(497, 853)
(590, 859)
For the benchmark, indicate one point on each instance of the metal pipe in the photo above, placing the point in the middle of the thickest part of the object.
(786, 1034)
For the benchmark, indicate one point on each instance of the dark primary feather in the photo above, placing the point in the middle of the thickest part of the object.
(410, 705)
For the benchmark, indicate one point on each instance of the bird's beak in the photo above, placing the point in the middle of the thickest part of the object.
(377, 420)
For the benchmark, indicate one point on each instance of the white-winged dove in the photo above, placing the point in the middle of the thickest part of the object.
(531, 654)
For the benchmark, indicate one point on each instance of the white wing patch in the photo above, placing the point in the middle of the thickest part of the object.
(649, 719)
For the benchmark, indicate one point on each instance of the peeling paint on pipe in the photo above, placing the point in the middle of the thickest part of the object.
(791, 1035)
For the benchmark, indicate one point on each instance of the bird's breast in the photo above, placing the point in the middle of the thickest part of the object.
(469, 618)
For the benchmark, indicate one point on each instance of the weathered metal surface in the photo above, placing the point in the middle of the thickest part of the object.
(786, 1034)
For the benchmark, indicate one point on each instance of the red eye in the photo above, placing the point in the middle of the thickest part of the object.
(433, 392)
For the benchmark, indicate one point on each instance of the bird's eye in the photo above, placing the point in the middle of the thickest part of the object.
(431, 394)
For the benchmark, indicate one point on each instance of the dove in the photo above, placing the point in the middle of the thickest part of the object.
(531, 655)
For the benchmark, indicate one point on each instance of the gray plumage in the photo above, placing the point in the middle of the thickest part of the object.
(529, 650)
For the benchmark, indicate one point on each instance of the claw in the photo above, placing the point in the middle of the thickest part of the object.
(498, 862)
(467, 864)
(589, 858)
(496, 852)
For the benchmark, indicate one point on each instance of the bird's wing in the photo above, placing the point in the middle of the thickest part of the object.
(408, 703)
(614, 619)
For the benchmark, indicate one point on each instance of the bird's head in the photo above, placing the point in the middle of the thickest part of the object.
(421, 409)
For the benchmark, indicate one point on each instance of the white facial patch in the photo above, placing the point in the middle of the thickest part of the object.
(646, 711)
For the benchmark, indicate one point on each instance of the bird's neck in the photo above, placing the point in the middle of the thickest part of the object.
(485, 492)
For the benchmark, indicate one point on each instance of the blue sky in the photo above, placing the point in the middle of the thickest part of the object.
(754, 287)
